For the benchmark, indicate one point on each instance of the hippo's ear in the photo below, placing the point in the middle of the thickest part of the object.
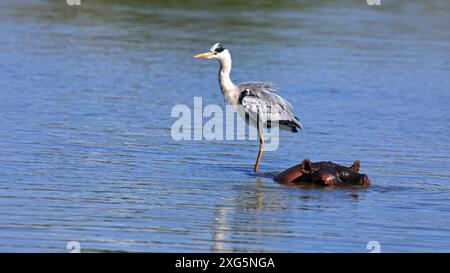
(355, 166)
(306, 166)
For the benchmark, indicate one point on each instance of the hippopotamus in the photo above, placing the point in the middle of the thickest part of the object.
(324, 173)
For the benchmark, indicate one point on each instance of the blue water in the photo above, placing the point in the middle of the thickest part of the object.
(86, 152)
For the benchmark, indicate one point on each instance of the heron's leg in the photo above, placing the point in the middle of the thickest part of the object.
(261, 149)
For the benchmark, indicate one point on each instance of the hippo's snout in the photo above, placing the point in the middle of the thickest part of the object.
(365, 180)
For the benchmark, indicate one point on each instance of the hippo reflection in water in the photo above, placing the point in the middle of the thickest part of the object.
(324, 174)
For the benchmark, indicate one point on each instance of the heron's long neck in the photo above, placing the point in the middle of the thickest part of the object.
(229, 90)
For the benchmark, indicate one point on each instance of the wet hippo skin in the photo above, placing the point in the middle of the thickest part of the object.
(324, 174)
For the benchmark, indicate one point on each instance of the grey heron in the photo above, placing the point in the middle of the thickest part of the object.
(258, 103)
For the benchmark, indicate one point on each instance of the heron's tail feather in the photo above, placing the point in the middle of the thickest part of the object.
(290, 125)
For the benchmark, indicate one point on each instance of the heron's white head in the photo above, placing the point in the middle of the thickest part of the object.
(217, 51)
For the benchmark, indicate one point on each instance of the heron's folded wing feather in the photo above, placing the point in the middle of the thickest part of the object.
(261, 101)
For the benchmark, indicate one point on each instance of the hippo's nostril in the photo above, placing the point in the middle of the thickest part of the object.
(366, 180)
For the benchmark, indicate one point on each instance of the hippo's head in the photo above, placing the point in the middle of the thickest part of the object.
(330, 174)
(352, 176)
(323, 176)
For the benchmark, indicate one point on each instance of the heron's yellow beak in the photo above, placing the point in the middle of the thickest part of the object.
(206, 55)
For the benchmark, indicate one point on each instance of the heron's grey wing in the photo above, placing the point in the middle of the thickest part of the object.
(259, 100)
(258, 86)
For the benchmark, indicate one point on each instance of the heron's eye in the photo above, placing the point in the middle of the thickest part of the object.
(219, 49)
